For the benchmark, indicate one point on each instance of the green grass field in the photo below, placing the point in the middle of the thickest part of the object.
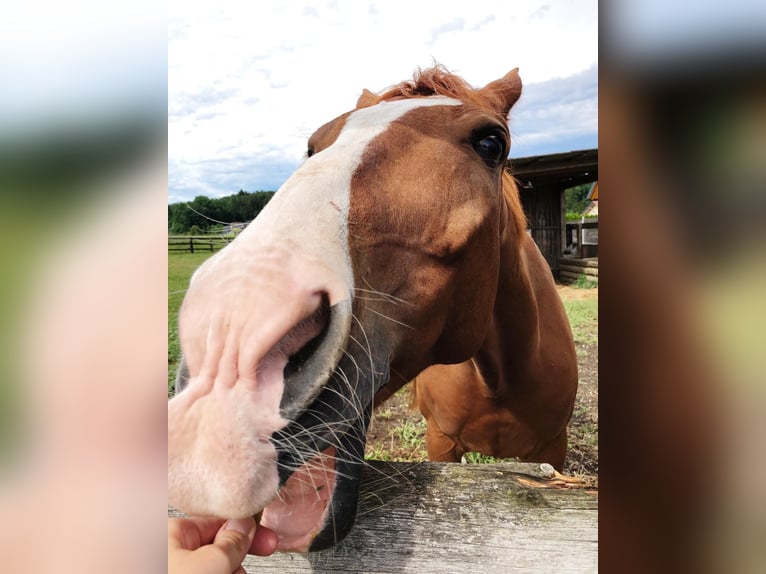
(180, 268)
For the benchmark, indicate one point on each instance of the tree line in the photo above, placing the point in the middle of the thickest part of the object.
(190, 217)
(576, 199)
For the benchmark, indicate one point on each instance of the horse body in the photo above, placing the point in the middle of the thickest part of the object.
(399, 244)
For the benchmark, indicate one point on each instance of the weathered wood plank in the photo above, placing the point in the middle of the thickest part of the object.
(588, 262)
(567, 277)
(590, 271)
(450, 518)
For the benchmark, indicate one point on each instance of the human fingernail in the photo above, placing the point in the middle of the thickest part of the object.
(245, 526)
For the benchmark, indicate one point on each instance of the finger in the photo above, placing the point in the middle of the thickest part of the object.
(229, 547)
(192, 532)
(264, 542)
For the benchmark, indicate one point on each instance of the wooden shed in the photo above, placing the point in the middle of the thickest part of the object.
(542, 180)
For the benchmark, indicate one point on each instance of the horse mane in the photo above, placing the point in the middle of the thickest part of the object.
(512, 199)
(438, 81)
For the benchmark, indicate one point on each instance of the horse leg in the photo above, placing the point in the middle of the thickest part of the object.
(440, 447)
(553, 452)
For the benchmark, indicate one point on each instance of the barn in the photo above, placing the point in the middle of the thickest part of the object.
(542, 180)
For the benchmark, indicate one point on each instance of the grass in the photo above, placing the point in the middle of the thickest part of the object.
(379, 452)
(584, 282)
(583, 317)
(180, 268)
(478, 458)
(412, 435)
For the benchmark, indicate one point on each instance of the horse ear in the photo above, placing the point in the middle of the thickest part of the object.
(503, 93)
(366, 100)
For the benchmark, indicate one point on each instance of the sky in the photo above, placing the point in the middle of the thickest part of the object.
(249, 82)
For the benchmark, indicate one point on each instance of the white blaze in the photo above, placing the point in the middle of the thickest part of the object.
(311, 208)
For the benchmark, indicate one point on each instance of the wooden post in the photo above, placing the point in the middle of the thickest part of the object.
(562, 223)
(191, 244)
(578, 252)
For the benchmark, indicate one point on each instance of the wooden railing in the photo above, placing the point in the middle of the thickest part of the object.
(458, 518)
(582, 238)
(196, 243)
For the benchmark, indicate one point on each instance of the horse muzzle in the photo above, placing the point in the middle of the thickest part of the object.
(300, 465)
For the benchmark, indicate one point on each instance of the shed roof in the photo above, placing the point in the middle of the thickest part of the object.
(558, 170)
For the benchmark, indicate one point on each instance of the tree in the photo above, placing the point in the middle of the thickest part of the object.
(239, 207)
(576, 198)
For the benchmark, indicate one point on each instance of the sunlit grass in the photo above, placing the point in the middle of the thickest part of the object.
(180, 268)
(583, 317)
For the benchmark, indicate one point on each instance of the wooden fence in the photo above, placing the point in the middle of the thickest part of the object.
(570, 269)
(457, 518)
(582, 238)
(196, 243)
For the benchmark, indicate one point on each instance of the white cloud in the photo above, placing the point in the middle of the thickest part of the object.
(250, 81)
(556, 111)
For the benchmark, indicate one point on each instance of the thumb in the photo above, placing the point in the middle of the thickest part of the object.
(233, 541)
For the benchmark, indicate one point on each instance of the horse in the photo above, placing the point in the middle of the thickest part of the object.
(398, 245)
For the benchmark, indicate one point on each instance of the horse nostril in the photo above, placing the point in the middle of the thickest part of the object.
(304, 339)
(312, 349)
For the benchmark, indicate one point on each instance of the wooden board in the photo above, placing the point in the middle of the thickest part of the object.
(588, 262)
(573, 277)
(590, 271)
(450, 518)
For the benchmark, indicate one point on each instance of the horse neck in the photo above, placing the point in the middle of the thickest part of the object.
(510, 349)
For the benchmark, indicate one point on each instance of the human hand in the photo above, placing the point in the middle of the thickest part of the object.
(215, 546)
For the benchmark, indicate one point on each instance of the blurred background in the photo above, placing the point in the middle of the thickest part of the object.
(83, 298)
(683, 158)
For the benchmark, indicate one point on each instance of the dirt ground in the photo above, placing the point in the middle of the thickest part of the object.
(582, 456)
(397, 432)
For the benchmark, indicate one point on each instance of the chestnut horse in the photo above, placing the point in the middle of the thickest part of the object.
(399, 244)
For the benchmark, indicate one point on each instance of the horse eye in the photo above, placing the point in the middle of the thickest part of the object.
(310, 152)
(491, 148)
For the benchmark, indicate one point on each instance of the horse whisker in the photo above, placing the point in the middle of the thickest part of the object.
(391, 319)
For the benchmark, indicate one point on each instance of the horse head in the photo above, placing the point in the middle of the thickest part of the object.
(378, 257)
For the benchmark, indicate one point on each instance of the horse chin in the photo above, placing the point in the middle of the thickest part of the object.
(316, 504)
(301, 509)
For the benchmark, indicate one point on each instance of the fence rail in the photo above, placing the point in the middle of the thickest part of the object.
(457, 518)
(195, 243)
